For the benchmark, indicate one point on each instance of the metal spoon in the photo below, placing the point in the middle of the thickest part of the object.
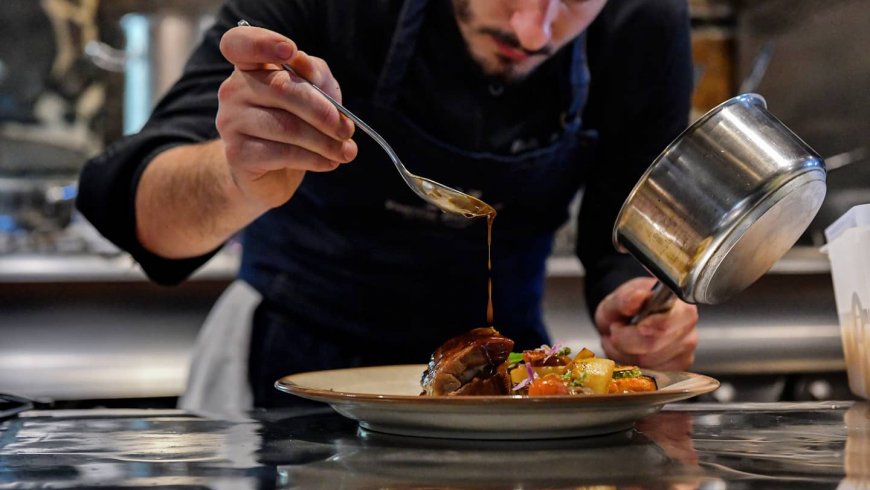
(445, 198)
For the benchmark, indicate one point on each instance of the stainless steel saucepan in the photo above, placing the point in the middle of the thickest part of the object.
(720, 205)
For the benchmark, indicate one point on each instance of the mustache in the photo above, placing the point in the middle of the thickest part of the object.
(512, 41)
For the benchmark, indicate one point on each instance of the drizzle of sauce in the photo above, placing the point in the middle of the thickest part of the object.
(490, 217)
(456, 202)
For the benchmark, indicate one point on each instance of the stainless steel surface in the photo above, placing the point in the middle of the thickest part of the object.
(686, 446)
(80, 320)
(83, 268)
(724, 202)
(100, 340)
(441, 196)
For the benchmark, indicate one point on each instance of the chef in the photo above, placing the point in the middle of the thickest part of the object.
(523, 103)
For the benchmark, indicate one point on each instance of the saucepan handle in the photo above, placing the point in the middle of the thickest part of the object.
(662, 300)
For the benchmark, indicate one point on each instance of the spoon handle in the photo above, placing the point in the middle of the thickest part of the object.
(342, 109)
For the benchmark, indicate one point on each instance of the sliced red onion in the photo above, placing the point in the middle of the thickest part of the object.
(531, 375)
(551, 351)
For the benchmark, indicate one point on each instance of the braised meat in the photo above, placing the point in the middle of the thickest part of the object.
(474, 363)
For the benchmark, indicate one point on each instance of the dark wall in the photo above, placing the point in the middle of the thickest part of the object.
(817, 82)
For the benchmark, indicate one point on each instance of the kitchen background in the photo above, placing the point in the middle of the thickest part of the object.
(80, 325)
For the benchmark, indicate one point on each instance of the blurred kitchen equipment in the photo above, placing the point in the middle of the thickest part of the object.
(759, 69)
(24, 73)
(157, 40)
(848, 250)
(713, 54)
(11, 405)
(445, 198)
(36, 204)
(817, 83)
(49, 100)
(846, 158)
(726, 200)
(38, 177)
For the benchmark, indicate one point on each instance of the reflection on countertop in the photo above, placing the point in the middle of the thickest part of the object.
(686, 446)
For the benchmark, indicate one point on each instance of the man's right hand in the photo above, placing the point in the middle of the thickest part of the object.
(273, 125)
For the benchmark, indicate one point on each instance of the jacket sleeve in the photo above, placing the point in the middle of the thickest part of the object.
(640, 98)
(185, 115)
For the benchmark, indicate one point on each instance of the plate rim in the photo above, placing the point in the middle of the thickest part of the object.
(286, 385)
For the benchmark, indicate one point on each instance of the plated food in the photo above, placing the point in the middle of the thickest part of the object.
(387, 399)
(474, 388)
(482, 362)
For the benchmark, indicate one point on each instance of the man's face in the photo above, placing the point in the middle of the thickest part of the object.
(510, 38)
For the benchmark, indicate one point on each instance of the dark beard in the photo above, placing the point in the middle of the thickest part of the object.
(504, 71)
(462, 10)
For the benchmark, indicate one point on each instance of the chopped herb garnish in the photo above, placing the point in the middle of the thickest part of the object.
(578, 382)
(515, 357)
(631, 372)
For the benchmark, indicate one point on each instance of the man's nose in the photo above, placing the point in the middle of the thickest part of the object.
(532, 22)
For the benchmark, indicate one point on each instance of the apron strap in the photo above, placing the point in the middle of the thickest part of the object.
(578, 85)
(401, 50)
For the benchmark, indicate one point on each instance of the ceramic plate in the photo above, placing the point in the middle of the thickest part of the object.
(387, 399)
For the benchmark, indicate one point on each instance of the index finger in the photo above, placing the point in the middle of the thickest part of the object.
(249, 48)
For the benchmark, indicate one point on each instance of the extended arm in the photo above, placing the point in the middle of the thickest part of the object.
(273, 128)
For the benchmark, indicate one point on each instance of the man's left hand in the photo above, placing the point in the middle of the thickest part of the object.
(663, 341)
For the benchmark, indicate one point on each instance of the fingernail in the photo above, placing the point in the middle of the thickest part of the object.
(284, 50)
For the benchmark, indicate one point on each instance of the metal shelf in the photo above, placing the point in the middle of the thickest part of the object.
(799, 260)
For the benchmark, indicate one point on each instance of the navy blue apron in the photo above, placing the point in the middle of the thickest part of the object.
(357, 270)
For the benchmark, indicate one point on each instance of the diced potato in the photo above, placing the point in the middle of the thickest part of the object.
(594, 373)
(584, 354)
(518, 374)
(542, 371)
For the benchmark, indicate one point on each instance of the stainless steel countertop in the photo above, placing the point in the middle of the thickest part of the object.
(30, 268)
(685, 446)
